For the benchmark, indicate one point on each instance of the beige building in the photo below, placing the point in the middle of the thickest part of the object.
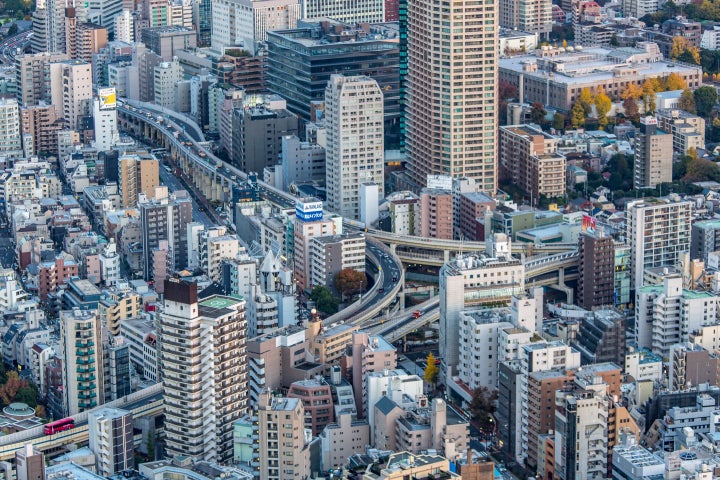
(688, 130)
(117, 306)
(203, 368)
(355, 151)
(71, 89)
(555, 77)
(216, 246)
(303, 234)
(451, 83)
(529, 157)
(31, 77)
(39, 125)
(327, 345)
(342, 439)
(532, 16)
(137, 175)
(653, 155)
(284, 452)
(435, 219)
(331, 254)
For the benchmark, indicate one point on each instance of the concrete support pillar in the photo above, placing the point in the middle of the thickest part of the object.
(446, 256)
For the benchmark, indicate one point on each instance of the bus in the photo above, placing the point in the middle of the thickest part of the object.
(59, 426)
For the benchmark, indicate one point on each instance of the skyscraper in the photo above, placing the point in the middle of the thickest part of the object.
(80, 340)
(202, 364)
(451, 115)
(355, 147)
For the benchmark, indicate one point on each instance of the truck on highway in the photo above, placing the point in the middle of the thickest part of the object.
(417, 313)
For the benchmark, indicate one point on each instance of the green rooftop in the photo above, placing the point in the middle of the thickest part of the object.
(219, 302)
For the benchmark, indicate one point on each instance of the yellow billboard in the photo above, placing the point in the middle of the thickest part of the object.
(107, 97)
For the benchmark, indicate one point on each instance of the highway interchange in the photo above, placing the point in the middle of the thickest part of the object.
(10, 46)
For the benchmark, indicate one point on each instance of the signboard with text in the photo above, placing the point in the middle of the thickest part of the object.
(107, 98)
(309, 211)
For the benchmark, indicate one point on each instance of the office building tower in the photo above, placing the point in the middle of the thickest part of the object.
(450, 104)
(245, 23)
(82, 368)
(300, 162)
(117, 369)
(531, 16)
(31, 77)
(165, 218)
(299, 68)
(71, 90)
(281, 429)
(204, 22)
(102, 13)
(258, 133)
(653, 155)
(30, 463)
(596, 267)
(355, 148)
(657, 231)
(124, 28)
(203, 369)
(167, 40)
(167, 76)
(365, 11)
(105, 119)
(137, 175)
(110, 432)
(10, 140)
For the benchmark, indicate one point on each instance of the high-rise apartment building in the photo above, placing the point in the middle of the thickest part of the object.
(331, 254)
(305, 229)
(245, 23)
(82, 348)
(203, 369)
(40, 126)
(365, 11)
(83, 39)
(71, 90)
(451, 115)
(38, 40)
(124, 29)
(355, 147)
(435, 214)
(284, 453)
(31, 77)
(658, 231)
(531, 16)
(110, 432)
(10, 140)
(596, 271)
(653, 155)
(165, 218)
(137, 175)
(55, 25)
(166, 77)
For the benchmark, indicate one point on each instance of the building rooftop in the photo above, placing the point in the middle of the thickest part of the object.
(284, 404)
(217, 305)
(320, 32)
(70, 471)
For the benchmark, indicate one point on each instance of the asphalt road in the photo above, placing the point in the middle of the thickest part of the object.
(174, 184)
(8, 47)
(390, 270)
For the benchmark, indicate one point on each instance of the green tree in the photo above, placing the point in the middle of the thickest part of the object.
(349, 281)
(324, 300)
(538, 113)
(558, 121)
(431, 370)
(577, 115)
(13, 30)
(603, 104)
(705, 99)
(687, 101)
(27, 395)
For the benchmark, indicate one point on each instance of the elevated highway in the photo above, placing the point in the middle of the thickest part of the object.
(146, 402)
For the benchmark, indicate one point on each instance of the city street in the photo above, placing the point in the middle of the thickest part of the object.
(173, 185)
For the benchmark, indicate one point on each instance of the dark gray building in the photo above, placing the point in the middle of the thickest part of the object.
(301, 61)
(258, 133)
(165, 41)
(704, 238)
(508, 377)
(596, 271)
